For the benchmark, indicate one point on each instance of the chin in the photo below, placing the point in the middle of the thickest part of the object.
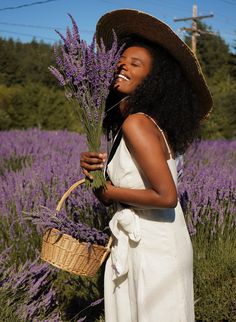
(122, 91)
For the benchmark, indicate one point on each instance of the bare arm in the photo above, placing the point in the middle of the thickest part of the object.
(143, 141)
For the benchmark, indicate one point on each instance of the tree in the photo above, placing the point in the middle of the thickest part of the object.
(212, 52)
(35, 105)
(29, 94)
(24, 63)
(219, 67)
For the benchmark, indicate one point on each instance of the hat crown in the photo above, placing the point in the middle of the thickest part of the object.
(126, 22)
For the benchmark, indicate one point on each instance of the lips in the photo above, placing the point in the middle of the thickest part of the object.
(123, 77)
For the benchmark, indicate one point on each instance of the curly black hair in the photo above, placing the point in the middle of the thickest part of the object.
(165, 94)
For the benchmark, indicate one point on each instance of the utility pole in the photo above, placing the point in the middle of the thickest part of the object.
(194, 30)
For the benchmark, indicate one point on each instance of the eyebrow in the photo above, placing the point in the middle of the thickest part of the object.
(133, 58)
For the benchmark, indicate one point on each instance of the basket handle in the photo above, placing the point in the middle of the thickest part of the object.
(67, 193)
(108, 249)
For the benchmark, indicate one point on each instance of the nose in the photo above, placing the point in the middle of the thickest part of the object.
(122, 66)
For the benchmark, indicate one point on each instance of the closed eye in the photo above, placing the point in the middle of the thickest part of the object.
(135, 65)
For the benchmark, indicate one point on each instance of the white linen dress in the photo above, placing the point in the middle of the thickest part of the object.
(149, 274)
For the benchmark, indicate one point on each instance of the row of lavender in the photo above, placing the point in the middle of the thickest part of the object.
(36, 167)
(207, 190)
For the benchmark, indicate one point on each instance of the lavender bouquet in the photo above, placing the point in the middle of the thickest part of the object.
(86, 72)
(73, 225)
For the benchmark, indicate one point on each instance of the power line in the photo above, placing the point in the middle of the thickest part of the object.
(229, 2)
(194, 30)
(227, 17)
(226, 22)
(166, 4)
(27, 5)
(30, 26)
(38, 27)
(27, 35)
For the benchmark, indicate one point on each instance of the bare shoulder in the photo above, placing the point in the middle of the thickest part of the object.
(139, 132)
(137, 122)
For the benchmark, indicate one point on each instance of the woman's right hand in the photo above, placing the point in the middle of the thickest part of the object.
(92, 161)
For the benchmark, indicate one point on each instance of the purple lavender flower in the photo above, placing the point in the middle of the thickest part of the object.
(37, 167)
(207, 185)
(29, 290)
(58, 75)
(45, 219)
(86, 72)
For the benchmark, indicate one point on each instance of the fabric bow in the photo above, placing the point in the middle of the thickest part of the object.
(124, 226)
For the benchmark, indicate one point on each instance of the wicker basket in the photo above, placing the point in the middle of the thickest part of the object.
(68, 253)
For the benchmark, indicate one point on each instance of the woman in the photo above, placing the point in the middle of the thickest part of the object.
(154, 110)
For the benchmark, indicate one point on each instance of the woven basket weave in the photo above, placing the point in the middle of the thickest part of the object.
(68, 253)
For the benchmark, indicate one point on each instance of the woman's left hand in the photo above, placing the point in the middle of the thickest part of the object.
(101, 193)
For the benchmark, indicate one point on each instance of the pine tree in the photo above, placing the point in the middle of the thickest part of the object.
(219, 67)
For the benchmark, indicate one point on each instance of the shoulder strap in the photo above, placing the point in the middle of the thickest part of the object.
(164, 137)
(113, 149)
(115, 145)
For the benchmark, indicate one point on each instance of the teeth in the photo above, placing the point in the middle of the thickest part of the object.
(122, 76)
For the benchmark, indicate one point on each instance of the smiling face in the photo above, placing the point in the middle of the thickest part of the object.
(134, 65)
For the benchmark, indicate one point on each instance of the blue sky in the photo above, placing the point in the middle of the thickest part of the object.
(40, 20)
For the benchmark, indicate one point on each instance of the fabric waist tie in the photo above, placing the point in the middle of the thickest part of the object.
(124, 226)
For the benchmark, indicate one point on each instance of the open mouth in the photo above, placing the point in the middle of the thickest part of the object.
(123, 77)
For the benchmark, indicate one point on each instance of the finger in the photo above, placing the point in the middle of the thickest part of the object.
(90, 160)
(103, 156)
(91, 154)
(95, 155)
(90, 167)
(87, 174)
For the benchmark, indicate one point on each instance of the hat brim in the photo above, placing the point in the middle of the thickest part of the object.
(126, 22)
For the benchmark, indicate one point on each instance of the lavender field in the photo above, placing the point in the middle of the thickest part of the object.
(37, 167)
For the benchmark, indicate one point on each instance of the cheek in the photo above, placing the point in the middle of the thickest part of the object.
(135, 82)
(139, 79)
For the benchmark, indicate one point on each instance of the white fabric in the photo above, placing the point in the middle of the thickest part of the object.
(148, 277)
(124, 226)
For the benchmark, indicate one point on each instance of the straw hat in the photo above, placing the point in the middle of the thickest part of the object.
(126, 22)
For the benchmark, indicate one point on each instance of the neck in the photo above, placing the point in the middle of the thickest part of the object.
(123, 105)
